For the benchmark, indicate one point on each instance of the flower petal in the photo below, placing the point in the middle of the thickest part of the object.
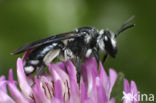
(22, 79)
(38, 93)
(92, 65)
(74, 89)
(61, 65)
(126, 86)
(71, 71)
(84, 75)
(3, 84)
(2, 78)
(11, 78)
(103, 77)
(83, 92)
(112, 79)
(17, 95)
(134, 91)
(55, 100)
(91, 86)
(47, 85)
(59, 74)
(112, 100)
(58, 91)
(101, 95)
(5, 98)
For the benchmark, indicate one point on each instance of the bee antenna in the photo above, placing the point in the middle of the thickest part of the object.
(124, 27)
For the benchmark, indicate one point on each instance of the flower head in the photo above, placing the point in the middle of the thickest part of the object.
(60, 86)
(130, 92)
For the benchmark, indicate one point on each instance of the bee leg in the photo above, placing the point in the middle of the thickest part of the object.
(77, 62)
(104, 58)
(41, 70)
(96, 54)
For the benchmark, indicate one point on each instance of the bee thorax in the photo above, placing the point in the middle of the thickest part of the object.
(87, 38)
(101, 32)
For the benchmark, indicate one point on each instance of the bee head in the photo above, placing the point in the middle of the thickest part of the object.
(110, 43)
(107, 42)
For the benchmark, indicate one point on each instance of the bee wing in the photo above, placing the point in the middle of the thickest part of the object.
(44, 41)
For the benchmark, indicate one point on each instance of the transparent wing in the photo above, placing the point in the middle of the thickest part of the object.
(44, 41)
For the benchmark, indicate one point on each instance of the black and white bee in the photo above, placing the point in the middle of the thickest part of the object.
(84, 41)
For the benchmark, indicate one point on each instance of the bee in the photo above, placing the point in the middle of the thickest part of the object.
(83, 41)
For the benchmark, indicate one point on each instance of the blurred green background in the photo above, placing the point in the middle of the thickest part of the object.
(25, 21)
